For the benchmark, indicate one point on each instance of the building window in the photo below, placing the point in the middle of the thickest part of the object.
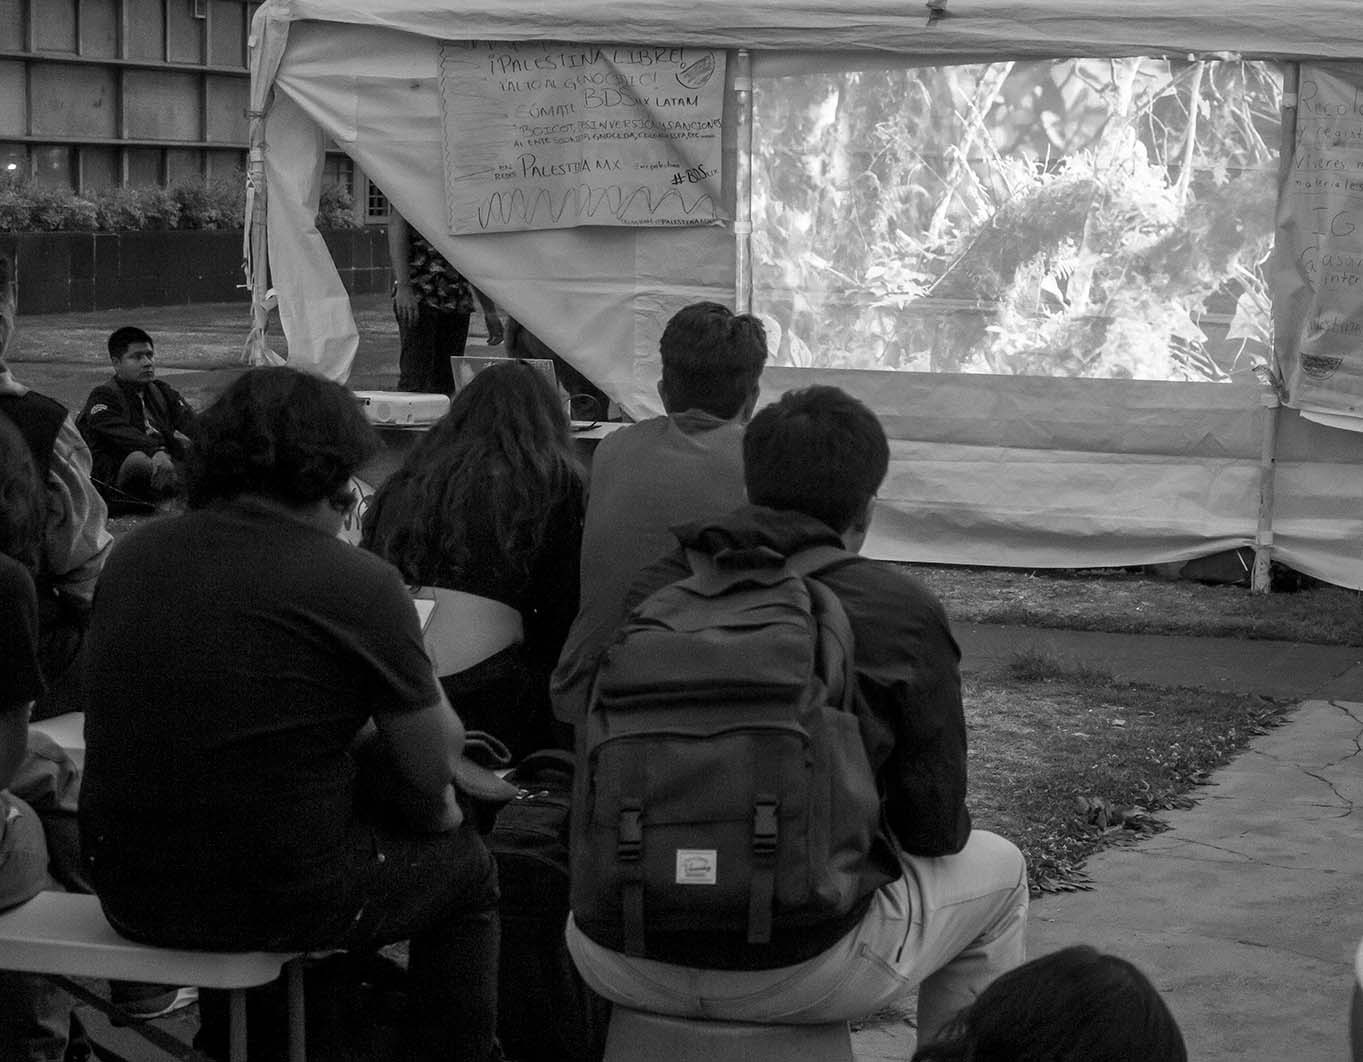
(14, 161)
(376, 204)
(339, 171)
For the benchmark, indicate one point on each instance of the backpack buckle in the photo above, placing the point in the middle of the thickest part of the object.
(630, 842)
(764, 825)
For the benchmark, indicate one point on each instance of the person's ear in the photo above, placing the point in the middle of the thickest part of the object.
(855, 535)
(750, 406)
(662, 394)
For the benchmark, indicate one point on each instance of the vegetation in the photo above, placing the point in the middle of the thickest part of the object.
(1133, 602)
(1065, 760)
(215, 203)
(1075, 218)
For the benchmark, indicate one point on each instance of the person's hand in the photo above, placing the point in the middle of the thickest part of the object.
(405, 305)
(163, 474)
(494, 329)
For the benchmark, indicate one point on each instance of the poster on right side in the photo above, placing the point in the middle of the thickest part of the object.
(1318, 273)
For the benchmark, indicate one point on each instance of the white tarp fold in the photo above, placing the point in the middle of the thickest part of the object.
(970, 30)
(1047, 473)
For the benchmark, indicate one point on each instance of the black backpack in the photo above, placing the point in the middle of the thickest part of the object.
(544, 1010)
(725, 785)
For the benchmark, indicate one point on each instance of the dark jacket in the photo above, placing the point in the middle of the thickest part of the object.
(122, 418)
(907, 666)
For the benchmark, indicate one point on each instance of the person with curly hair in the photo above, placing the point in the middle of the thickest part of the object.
(244, 660)
(1073, 1005)
(488, 508)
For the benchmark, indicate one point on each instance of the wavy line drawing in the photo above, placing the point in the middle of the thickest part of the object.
(522, 209)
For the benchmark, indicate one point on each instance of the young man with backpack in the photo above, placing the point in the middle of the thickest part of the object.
(770, 820)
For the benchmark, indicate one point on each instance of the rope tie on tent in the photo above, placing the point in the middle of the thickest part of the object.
(937, 10)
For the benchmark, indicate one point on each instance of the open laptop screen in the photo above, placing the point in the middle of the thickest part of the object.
(466, 367)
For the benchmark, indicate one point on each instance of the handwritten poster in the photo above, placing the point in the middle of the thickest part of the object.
(546, 135)
(1318, 282)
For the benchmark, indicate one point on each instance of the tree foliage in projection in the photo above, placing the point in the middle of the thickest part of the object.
(1076, 218)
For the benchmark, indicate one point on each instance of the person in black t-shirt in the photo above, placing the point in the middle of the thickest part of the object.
(223, 807)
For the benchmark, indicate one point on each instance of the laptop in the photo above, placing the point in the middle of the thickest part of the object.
(466, 367)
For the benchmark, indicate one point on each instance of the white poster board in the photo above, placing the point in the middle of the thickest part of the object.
(548, 135)
(1318, 296)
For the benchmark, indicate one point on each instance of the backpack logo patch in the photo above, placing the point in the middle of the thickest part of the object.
(697, 866)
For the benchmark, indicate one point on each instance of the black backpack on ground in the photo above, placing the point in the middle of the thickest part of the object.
(544, 1010)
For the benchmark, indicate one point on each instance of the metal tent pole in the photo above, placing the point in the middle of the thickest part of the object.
(1261, 574)
(743, 185)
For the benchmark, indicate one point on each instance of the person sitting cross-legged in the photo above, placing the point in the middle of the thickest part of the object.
(243, 767)
(138, 427)
(933, 903)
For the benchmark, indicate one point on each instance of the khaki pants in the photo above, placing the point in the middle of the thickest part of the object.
(949, 926)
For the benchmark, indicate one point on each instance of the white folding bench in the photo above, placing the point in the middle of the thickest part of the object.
(64, 935)
(68, 731)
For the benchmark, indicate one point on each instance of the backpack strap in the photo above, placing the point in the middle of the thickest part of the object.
(816, 560)
(828, 610)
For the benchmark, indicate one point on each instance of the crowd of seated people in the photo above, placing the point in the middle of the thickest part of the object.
(288, 765)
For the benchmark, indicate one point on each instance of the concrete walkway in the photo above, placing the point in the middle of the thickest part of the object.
(1247, 912)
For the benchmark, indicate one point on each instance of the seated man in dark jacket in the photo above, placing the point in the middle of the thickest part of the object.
(138, 427)
(952, 911)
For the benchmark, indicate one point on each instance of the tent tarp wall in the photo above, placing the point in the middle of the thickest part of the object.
(1014, 471)
(597, 292)
(1033, 472)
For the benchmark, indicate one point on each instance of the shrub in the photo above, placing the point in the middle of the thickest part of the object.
(57, 209)
(16, 210)
(211, 203)
(119, 210)
(336, 209)
(214, 203)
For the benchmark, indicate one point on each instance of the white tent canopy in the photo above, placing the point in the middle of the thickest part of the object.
(365, 74)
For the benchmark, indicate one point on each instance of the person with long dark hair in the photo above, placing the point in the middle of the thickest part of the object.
(488, 507)
(1073, 1005)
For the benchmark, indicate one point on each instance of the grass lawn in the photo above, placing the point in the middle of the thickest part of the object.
(1127, 602)
(1064, 759)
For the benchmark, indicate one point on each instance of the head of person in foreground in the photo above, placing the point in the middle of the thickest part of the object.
(1073, 1005)
(712, 361)
(820, 452)
(282, 436)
